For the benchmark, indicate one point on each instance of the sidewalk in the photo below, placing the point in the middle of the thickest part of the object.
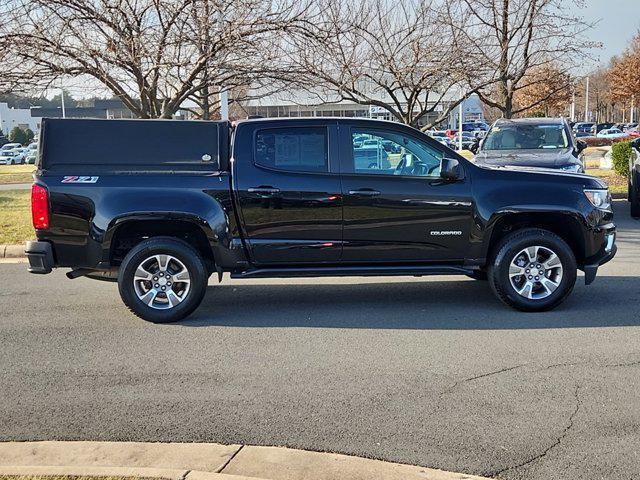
(201, 461)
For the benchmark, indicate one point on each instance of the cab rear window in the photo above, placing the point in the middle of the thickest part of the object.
(299, 149)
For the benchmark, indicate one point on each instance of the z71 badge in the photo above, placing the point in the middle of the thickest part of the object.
(77, 179)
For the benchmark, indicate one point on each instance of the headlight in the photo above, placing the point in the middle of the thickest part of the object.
(599, 198)
(572, 168)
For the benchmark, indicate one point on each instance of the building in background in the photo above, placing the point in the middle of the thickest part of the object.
(95, 108)
(17, 117)
(302, 104)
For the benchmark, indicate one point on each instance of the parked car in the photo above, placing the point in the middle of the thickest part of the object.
(634, 179)
(532, 143)
(583, 129)
(442, 137)
(611, 133)
(21, 154)
(469, 140)
(598, 127)
(10, 146)
(371, 157)
(478, 129)
(633, 132)
(10, 157)
(301, 207)
(32, 153)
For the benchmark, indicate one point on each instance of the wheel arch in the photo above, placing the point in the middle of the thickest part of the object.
(126, 232)
(564, 224)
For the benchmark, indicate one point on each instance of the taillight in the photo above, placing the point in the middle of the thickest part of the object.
(39, 207)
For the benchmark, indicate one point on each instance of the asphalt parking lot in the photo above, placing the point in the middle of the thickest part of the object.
(425, 371)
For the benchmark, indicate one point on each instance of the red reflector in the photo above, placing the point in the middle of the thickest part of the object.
(39, 207)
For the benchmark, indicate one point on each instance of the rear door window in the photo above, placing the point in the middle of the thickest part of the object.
(298, 149)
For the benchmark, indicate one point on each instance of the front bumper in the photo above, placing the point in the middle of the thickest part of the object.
(40, 255)
(606, 253)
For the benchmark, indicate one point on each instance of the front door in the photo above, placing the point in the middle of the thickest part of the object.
(287, 184)
(397, 209)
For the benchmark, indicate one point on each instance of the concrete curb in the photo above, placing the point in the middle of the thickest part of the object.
(163, 473)
(12, 251)
(202, 461)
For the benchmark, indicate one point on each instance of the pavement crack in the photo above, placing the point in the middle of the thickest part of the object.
(226, 464)
(624, 364)
(478, 377)
(185, 475)
(557, 442)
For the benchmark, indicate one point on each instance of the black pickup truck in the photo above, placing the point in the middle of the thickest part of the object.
(159, 206)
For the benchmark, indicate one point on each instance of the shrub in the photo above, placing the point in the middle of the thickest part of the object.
(602, 142)
(17, 135)
(621, 154)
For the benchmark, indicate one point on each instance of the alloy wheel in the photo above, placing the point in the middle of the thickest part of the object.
(161, 281)
(535, 272)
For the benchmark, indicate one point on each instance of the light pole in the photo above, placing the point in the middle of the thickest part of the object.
(64, 113)
(460, 127)
(586, 102)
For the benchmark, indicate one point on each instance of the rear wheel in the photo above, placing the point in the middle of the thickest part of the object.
(533, 270)
(162, 280)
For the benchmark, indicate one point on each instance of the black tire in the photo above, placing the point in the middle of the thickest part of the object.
(182, 252)
(480, 275)
(508, 249)
(634, 197)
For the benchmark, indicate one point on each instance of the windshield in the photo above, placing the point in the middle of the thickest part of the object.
(526, 137)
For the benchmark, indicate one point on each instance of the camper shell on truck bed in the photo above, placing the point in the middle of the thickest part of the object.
(79, 146)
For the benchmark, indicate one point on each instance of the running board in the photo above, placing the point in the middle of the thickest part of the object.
(353, 271)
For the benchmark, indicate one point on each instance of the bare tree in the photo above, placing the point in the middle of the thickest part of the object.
(513, 38)
(398, 56)
(152, 54)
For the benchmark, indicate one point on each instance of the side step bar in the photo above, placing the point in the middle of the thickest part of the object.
(353, 271)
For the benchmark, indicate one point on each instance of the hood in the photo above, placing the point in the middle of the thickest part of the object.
(540, 158)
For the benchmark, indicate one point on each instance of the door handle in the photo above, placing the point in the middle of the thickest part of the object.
(368, 192)
(264, 190)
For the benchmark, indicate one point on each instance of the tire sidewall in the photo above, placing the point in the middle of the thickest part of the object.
(178, 249)
(500, 270)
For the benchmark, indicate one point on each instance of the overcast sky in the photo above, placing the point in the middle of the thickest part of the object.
(619, 20)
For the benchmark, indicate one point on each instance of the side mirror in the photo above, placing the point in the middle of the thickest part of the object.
(449, 169)
(636, 144)
(581, 145)
(476, 145)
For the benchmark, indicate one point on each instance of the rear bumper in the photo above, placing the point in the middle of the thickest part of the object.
(40, 255)
(606, 253)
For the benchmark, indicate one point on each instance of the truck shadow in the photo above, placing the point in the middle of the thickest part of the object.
(438, 305)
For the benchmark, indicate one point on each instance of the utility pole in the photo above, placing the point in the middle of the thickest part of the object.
(64, 113)
(460, 126)
(224, 94)
(586, 103)
(224, 103)
(572, 113)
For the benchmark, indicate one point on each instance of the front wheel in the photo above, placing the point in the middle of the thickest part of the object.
(533, 270)
(162, 280)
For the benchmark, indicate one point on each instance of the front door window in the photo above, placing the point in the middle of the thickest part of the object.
(379, 152)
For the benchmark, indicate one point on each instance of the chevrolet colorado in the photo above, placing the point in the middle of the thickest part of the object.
(160, 205)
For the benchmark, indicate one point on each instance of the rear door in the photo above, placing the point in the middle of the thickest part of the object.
(287, 185)
(397, 209)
